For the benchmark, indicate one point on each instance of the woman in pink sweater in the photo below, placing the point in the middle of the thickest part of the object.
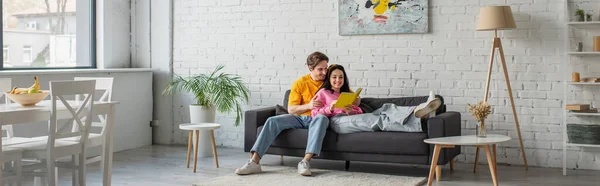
(335, 83)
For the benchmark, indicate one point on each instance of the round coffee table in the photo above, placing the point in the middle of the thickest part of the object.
(197, 127)
(471, 140)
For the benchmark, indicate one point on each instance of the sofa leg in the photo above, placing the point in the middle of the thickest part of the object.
(347, 165)
(281, 160)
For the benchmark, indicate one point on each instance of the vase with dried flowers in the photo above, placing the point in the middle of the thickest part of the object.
(480, 111)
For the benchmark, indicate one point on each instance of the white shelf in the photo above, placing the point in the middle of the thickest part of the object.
(583, 114)
(591, 24)
(584, 83)
(581, 145)
(583, 53)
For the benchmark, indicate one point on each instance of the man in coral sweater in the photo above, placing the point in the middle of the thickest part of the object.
(300, 104)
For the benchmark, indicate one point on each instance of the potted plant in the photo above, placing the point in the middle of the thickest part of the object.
(579, 13)
(588, 17)
(215, 91)
(480, 111)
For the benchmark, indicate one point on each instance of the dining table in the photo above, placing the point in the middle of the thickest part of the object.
(15, 114)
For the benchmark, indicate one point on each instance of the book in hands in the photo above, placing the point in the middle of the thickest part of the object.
(347, 98)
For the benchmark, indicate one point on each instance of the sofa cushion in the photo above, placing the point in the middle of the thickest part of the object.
(297, 138)
(286, 97)
(404, 143)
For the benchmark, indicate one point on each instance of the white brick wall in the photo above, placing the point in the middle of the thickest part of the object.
(267, 41)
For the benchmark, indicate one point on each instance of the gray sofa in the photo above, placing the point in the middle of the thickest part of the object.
(391, 147)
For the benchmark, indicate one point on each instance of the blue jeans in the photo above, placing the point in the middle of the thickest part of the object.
(274, 125)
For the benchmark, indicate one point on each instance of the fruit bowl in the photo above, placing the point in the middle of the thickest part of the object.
(28, 99)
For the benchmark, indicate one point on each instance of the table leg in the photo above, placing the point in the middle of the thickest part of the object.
(476, 160)
(438, 172)
(196, 150)
(494, 151)
(491, 164)
(1, 158)
(107, 149)
(214, 147)
(452, 164)
(434, 159)
(189, 152)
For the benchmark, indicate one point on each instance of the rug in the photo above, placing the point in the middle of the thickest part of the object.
(282, 175)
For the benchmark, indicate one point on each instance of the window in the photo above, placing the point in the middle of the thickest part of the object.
(5, 53)
(27, 54)
(32, 25)
(61, 38)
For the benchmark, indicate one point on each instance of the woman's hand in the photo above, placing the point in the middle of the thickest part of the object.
(356, 101)
(348, 109)
(331, 106)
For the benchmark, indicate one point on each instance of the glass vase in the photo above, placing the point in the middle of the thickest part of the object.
(480, 130)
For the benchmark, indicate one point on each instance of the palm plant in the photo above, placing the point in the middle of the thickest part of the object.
(224, 91)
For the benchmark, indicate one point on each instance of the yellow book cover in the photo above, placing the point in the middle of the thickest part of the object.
(347, 98)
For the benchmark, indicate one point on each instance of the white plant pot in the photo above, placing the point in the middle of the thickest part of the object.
(202, 114)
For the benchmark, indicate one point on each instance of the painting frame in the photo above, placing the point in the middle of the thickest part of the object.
(368, 17)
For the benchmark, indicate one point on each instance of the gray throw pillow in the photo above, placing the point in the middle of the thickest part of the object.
(279, 110)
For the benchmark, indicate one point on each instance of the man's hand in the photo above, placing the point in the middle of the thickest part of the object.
(314, 103)
(348, 109)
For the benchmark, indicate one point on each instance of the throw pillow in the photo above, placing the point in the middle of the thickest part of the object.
(365, 108)
(279, 110)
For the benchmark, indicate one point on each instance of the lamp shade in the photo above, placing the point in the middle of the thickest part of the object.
(496, 18)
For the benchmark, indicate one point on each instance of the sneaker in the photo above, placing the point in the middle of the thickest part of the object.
(425, 108)
(304, 168)
(249, 168)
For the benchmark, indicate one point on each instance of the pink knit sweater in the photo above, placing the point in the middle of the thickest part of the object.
(326, 97)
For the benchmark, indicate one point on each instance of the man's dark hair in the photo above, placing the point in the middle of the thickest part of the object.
(314, 59)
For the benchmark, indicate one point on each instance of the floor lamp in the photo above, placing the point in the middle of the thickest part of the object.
(494, 18)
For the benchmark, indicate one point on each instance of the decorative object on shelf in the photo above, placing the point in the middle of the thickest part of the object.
(583, 134)
(575, 77)
(578, 107)
(588, 17)
(592, 110)
(590, 80)
(359, 17)
(579, 13)
(480, 112)
(579, 47)
(596, 43)
(494, 18)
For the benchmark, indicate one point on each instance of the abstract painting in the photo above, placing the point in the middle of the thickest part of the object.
(357, 17)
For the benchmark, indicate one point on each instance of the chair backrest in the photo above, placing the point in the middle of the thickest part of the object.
(102, 84)
(5, 86)
(58, 91)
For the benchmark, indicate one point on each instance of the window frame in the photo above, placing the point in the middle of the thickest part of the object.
(7, 47)
(93, 51)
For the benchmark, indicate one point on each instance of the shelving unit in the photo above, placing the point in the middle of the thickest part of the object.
(579, 26)
(584, 53)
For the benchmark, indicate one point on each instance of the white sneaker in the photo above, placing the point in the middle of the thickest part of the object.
(425, 108)
(304, 168)
(249, 168)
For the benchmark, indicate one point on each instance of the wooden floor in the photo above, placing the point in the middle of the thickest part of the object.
(165, 165)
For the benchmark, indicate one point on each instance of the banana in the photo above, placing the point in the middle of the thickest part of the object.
(36, 85)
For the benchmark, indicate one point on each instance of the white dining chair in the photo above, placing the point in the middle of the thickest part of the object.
(11, 169)
(9, 139)
(59, 143)
(95, 139)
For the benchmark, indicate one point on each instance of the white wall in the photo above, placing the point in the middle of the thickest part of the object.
(113, 34)
(266, 42)
(151, 47)
(132, 88)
